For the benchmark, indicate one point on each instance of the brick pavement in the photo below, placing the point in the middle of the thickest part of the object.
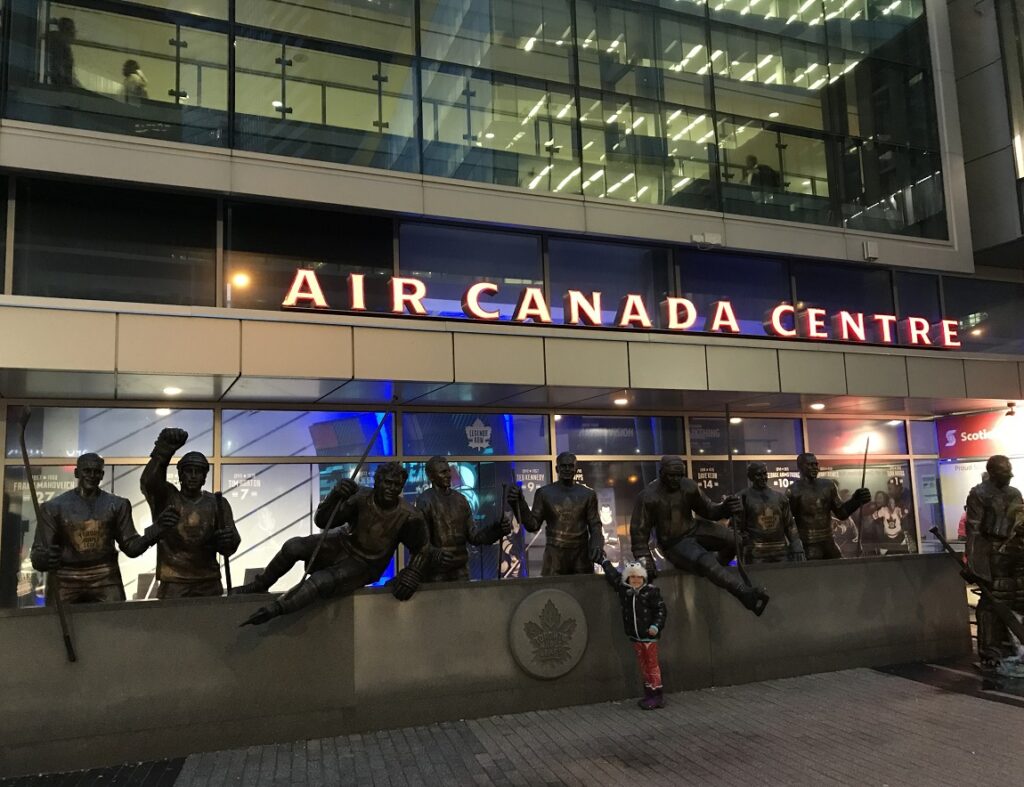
(858, 727)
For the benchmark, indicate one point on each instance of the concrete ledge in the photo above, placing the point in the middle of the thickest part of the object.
(162, 679)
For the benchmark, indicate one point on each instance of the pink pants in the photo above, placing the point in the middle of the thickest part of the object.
(647, 659)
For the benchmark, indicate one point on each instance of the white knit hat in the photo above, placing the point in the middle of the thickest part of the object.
(634, 570)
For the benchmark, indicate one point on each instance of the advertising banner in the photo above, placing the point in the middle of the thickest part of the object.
(980, 435)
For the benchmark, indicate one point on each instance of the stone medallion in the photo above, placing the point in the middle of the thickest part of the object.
(548, 633)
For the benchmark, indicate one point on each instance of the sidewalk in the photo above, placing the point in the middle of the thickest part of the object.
(859, 727)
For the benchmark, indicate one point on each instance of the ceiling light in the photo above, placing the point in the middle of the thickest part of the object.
(773, 115)
(977, 332)
(895, 422)
(735, 420)
(558, 417)
(489, 135)
(817, 406)
(621, 401)
(171, 390)
(529, 44)
(241, 280)
(161, 411)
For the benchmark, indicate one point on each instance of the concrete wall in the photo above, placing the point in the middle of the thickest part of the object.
(161, 679)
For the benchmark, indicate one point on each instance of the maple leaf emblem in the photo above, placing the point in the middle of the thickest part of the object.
(551, 636)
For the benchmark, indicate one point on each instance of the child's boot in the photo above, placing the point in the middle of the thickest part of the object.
(650, 700)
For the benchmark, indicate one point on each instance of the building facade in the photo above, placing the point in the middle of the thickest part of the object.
(730, 231)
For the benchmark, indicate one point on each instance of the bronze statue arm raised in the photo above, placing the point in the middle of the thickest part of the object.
(339, 495)
(841, 510)
(155, 487)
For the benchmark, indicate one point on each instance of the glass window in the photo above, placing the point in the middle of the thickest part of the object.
(896, 31)
(387, 26)
(526, 37)
(138, 75)
(111, 432)
(927, 492)
(836, 288)
(956, 479)
(772, 173)
(87, 241)
(849, 436)
(886, 525)
(617, 485)
(268, 243)
(717, 480)
(768, 77)
(298, 433)
(599, 434)
(893, 189)
(917, 295)
(748, 436)
(454, 434)
(648, 152)
(753, 285)
(923, 437)
(450, 259)
(614, 270)
(890, 102)
(301, 102)
(988, 313)
(499, 129)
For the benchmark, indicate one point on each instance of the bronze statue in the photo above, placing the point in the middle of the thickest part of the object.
(666, 507)
(78, 540)
(767, 524)
(995, 554)
(186, 559)
(371, 523)
(814, 501)
(450, 522)
(575, 541)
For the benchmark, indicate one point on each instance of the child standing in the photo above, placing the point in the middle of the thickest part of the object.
(643, 615)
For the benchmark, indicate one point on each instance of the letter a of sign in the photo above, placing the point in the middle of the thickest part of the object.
(305, 289)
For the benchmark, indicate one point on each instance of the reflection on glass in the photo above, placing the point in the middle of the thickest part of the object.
(924, 438)
(120, 74)
(305, 102)
(20, 584)
(387, 26)
(111, 432)
(849, 436)
(837, 288)
(450, 259)
(598, 434)
(113, 244)
(987, 313)
(301, 433)
(528, 37)
(614, 270)
(617, 485)
(499, 129)
(772, 173)
(454, 434)
(886, 525)
(928, 494)
(268, 243)
(751, 436)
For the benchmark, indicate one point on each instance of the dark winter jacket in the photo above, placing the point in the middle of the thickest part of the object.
(641, 608)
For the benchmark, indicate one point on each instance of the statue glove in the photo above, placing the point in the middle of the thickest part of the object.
(408, 581)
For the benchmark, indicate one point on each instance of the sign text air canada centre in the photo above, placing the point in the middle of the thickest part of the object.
(783, 321)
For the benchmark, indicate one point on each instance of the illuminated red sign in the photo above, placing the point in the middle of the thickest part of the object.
(784, 321)
(980, 435)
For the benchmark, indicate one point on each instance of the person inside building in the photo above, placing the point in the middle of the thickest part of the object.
(134, 82)
(60, 59)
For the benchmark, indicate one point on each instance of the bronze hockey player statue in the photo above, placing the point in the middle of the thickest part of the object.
(575, 541)
(364, 532)
(767, 524)
(81, 535)
(186, 559)
(450, 524)
(814, 501)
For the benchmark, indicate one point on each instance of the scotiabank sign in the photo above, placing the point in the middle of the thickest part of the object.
(783, 321)
(980, 435)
